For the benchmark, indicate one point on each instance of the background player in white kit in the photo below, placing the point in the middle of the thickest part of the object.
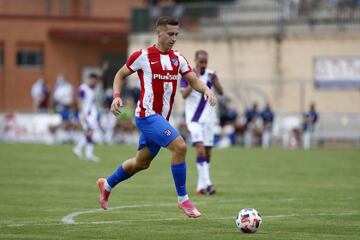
(88, 115)
(200, 120)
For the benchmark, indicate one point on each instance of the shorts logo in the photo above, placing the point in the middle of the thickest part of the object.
(167, 132)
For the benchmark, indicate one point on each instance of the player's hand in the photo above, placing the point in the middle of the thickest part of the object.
(210, 97)
(116, 106)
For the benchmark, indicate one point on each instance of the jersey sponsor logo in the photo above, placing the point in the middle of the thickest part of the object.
(165, 77)
(167, 132)
(153, 62)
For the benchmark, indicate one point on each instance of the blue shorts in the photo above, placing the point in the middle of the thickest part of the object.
(156, 132)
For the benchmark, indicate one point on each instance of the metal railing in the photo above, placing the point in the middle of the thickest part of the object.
(258, 13)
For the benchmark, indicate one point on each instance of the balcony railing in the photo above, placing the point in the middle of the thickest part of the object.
(258, 13)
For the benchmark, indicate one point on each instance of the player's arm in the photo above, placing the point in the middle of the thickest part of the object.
(186, 92)
(185, 88)
(199, 86)
(215, 81)
(80, 97)
(119, 79)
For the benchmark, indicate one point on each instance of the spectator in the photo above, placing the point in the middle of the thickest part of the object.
(227, 112)
(63, 100)
(107, 76)
(252, 126)
(228, 118)
(165, 7)
(40, 94)
(108, 122)
(267, 117)
(310, 119)
(63, 96)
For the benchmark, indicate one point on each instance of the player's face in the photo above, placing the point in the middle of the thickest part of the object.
(92, 82)
(167, 36)
(201, 62)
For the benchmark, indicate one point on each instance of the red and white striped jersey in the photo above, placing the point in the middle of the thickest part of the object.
(158, 73)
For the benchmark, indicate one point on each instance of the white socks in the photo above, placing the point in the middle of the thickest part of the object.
(182, 199)
(203, 175)
(79, 146)
(89, 149)
(107, 186)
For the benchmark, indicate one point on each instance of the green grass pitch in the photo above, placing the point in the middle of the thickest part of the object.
(301, 194)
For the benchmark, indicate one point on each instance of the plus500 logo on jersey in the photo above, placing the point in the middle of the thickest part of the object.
(165, 77)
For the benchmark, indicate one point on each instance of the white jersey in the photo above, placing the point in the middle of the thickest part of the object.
(88, 114)
(196, 107)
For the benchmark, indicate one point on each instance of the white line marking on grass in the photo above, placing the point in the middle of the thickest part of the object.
(70, 219)
(175, 219)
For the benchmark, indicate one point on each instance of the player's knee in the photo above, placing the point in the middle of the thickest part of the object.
(201, 152)
(181, 147)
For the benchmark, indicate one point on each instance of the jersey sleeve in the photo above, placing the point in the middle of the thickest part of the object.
(81, 94)
(133, 63)
(183, 84)
(184, 65)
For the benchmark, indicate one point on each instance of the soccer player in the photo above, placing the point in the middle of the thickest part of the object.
(158, 67)
(200, 120)
(88, 115)
(252, 116)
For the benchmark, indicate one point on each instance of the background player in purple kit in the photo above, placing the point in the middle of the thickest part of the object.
(201, 119)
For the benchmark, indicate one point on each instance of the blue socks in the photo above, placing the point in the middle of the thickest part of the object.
(118, 176)
(179, 175)
(178, 172)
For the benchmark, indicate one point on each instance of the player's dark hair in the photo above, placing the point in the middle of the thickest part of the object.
(197, 53)
(166, 20)
(93, 75)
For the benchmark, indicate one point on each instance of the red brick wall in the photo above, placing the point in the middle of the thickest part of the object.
(66, 56)
(32, 22)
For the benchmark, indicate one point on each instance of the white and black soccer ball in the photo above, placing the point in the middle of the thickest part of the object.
(248, 220)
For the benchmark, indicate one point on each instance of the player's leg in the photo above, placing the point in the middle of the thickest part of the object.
(201, 167)
(197, 137)
(158, 132)
(89, 146)
(126, 170)
(178, 169)
(208, 144)
(77, 150)
(210, 189)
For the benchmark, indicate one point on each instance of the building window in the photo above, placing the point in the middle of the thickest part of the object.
(49, 7)
(88, 5)
(65, 7)
(30, 58)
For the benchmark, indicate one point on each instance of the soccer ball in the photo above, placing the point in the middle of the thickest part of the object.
(248, 220)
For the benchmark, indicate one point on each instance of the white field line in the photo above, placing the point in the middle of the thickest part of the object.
(177, 219)
(70, 218)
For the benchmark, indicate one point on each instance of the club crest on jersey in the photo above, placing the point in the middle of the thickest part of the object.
(175, 61)
(167, 132)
